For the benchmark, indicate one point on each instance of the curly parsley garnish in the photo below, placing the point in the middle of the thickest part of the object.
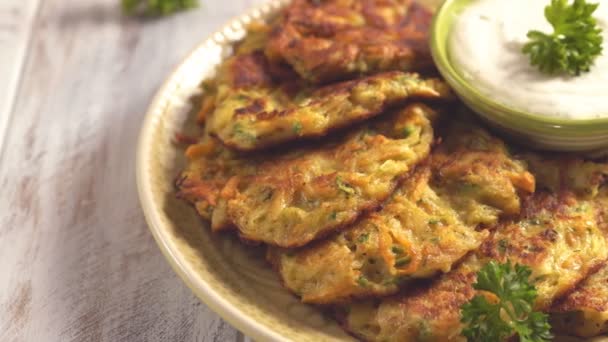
(574, 44)
(157, 7)
(509, 310)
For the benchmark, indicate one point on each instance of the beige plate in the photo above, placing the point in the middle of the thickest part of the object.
(232, 279)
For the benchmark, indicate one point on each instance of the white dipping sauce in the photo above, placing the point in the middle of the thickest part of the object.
(485, 46)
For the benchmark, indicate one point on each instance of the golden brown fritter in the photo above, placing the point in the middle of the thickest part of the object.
(567, 172)
(428, 225)
(584, 312)
(331, 40)
(214, 169)
(258, 104)
(549, 238)
(250, 117)
(210, 167)
(295, 200)
(246, 68)
(210, 164)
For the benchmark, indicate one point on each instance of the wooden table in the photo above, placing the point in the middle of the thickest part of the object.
(77, 260)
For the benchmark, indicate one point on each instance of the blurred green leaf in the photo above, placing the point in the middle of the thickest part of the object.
(156, 7)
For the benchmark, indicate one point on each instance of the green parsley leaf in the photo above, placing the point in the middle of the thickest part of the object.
(511, 314)
(157, 7)
(241, 132)
(363, 238)
(407, 131)
(362, 281)
(574, 44)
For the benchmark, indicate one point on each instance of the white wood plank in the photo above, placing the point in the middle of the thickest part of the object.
(78, 263)
(16, 22)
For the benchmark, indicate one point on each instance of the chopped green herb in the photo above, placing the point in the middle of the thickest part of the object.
(297, 127)
(333, 215)
(363, 238)
(407, 131)
(345, 187)
(157, 7)
(240, 131)
(535, 222)
(397, 249)
(362, 281)
(403, 261)
(434, 222)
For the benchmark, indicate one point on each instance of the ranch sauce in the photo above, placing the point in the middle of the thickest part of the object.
(485, 45)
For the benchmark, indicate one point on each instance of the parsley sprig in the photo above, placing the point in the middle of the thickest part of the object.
(574, 44)
(509, 311)
(157, 7)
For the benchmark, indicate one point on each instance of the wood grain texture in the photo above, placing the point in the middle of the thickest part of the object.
(78, 263)
(16, 23)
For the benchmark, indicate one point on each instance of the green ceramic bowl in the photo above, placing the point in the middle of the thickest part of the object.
(531, 130)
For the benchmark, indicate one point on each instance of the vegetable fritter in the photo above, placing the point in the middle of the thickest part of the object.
(549, 238)
(258, 104)
(295, 200)
(255, 117)
(210, 168)
(584, 312)
(336, 39)
(568, 173)
(210, 164)
(428, 225)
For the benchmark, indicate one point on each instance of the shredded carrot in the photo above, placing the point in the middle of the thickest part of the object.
(490, 297)
(415, 258)
(230, 188)
(200, 150)
(207, 107)
(185, 139)
(384, 244)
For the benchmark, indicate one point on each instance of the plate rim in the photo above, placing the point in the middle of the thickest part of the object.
(155, 111)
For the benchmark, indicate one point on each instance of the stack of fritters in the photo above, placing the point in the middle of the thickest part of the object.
(373, 203)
